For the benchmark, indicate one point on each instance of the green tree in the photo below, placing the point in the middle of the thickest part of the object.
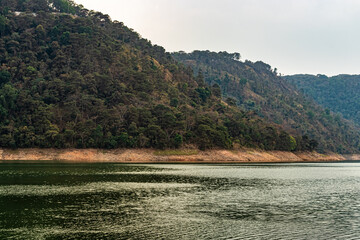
(3, 24)
(157, 137)
(5, 77)
(178, 140)
(216, 90)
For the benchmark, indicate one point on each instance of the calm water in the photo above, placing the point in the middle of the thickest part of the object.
(109, 201)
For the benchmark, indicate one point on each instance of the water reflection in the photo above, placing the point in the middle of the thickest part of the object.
(109, 201)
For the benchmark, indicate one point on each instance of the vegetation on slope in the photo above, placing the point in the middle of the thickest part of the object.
(340, 94)
(70, 77)
(257, 87)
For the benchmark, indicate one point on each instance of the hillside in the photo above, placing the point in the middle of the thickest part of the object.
(340, 94)
(73, 78)
(257, 87)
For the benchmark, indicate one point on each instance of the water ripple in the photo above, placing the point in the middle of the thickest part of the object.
(270, 201)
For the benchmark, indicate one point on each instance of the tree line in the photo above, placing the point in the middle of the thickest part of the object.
(77, 79)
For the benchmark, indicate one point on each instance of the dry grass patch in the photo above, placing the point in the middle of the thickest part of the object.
(176, 152)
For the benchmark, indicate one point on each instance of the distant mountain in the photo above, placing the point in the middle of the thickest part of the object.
(257, 87)
(340, 94)
(70, 77)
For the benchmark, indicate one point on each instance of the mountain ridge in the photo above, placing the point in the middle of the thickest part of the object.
(339, 93)
(257, 87)
(71, 77)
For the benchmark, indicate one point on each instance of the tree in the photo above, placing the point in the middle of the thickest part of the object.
(3, 24)
(178, 140)
(5, 77)
(286, 142)
(200, 79)
(98, 135)
(156, 136)
(37, 5)
(216, 90)
(231, 101)
(40, 32)
(8, 96)
(204, 94)
(66, 6)
(52, 134)
(174, 102)
(236, 56)
(293, 143)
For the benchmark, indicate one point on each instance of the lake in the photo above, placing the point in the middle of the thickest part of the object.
(176, 201)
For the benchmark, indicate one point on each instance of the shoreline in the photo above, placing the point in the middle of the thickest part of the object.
(156, 156)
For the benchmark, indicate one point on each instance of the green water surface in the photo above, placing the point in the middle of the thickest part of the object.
(117, 201)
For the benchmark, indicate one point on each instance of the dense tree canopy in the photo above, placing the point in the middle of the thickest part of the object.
(257, 87)
(340, 94)
(70, 77)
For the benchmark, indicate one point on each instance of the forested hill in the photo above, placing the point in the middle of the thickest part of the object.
(257, 87)
(70, 77)
(340, 94)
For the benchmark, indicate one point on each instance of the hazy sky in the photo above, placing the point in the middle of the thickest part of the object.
(295, 36)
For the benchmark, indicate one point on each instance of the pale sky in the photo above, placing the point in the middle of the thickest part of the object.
(295, 36)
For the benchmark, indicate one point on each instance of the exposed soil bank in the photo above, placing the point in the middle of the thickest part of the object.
(150, 156)
(353, 157)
